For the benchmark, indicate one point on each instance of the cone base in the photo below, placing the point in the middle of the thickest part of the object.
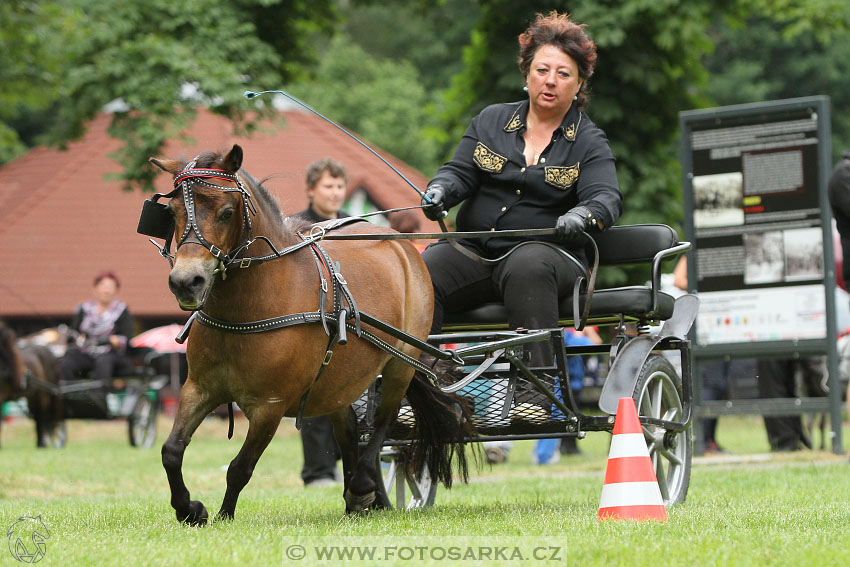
(655, 513)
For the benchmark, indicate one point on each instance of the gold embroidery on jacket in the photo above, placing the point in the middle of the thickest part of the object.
(487, 159)
(562, 177)
(571, 131)
(514, 124)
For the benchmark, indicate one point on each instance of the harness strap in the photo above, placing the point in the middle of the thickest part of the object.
(302, 403)
(314, 317)
(323, 287)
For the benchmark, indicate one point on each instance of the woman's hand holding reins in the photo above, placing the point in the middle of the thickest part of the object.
(574, 222)
(433, 203)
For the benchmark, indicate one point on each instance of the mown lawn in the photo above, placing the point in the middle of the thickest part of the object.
(106, 503)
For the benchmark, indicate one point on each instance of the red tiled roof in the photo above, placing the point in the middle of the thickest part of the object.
(62, 221)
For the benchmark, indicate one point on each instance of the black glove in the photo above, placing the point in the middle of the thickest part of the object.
(574, 222)
(436, 209)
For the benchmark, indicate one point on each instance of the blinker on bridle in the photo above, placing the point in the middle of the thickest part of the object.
(156, 219)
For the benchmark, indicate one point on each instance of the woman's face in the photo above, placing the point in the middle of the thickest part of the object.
(105, 290)
(553, 80)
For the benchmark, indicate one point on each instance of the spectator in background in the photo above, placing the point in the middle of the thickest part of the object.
(104, 327)
(776, 379)
(326, 184)
(838, 189)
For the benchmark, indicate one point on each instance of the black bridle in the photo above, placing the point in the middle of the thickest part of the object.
(192, 233)
(157, 221)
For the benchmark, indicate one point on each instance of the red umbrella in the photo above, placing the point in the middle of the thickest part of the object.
(161, 339)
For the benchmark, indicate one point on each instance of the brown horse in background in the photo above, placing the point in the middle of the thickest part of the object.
(28, 372)
(267, 373)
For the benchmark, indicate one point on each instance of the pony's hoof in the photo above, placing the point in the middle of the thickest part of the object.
(224, 516)
(197, 515)
(357, 503)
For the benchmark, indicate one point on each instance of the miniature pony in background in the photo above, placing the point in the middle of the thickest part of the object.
(28, 372)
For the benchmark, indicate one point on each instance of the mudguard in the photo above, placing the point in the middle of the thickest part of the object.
(623, 375)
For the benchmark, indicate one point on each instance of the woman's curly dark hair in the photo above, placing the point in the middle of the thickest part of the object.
(558, 30)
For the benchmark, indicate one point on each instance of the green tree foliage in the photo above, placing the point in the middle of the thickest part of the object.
(157, 60)
(758, 59)
(382, 100)
(427, 34)
(31, 62)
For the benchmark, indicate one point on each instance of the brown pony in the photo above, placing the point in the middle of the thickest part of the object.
(29, 372)
(268, 373)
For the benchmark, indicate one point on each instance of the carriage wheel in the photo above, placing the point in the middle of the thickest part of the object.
(401, 478)
(658, 394)
(142, 422)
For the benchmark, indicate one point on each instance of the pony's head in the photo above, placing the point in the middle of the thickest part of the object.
(212, 221)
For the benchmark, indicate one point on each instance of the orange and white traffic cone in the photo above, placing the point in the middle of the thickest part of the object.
(630, 491)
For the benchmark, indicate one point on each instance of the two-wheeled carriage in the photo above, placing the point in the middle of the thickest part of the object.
(131, 394)
(510, 400)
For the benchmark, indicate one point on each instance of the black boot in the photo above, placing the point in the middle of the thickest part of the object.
(569, 446)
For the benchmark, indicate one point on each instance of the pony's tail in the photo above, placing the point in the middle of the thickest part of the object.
(442, 428)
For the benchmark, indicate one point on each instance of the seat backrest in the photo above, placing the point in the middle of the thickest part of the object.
(633, 244)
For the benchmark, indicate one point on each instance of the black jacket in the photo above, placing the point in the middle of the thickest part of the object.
(838, 190)
(488, 173)
(311, 215)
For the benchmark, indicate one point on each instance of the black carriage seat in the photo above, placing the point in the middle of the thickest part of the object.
(619, 245)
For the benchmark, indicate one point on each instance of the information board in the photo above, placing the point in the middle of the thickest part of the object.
(754, 189)
(753, 179)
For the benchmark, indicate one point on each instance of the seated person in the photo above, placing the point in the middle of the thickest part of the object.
(104, 326)
(536, 163)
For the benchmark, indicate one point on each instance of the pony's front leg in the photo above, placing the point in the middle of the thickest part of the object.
(194, 406)
(263, 422)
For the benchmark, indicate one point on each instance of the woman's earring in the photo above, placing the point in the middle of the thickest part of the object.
(575, 97)
(525, 88)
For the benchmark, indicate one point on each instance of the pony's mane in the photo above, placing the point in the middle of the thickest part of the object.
(292, 224)
(214, 160)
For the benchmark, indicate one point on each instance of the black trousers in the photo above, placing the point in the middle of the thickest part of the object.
(321, 451)
(716, 384)
(776, 380)
(529, 283)
(103, 367)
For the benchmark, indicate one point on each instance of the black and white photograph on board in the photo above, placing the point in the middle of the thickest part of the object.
(718, 200)
(764, 258)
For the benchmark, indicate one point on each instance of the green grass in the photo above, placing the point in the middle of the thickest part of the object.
(106, 503)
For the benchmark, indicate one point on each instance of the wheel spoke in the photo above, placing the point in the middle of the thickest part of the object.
(671, 414)
(415, 493)
(389, 478)
(672, 457)
(400, 497)
(656, 398)
(650, 444)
